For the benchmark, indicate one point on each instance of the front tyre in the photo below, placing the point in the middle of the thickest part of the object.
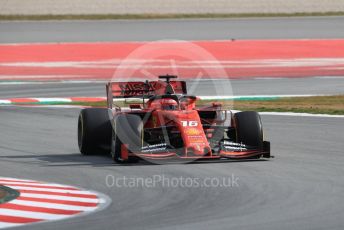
(249, 130)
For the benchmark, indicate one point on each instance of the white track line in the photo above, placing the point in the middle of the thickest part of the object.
(165, 63)
(50, 190)
(8, 225)
(47, 106)
(229, 97)
(51, 205)
(262, 113)
(17, 180)
(160, 41)
(224, 97)
(34, 184)
(5, 102)
(7, 79)
(300, 114)
(29, 214)
(41, 99)
(57, 197)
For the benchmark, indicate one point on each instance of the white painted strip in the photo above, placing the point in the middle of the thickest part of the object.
(14, 82)
(256, 96)
(67, 99)
(28, 214)
(35, 183)
(60, 193)
(165, 63)
(92, 97)
(18, 180)
(50, 190)
(330, 77)
(47, 82)
(31, 77)
(8, 225)
(161, 41)
(301, 114)
(66, 81)
(262, 113)
(179, 66)
(52, 99)
(51, 205)
(234, 97)
(56, 106)
(5, 102)
(57, 197)
(42, 99)
(268, 78)
(79, 81)
(48, 106)
(9, 183)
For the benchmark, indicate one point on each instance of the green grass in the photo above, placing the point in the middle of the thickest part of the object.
(158, 16)
(317, 105)
(7, 194)
(296, 110)
(3, 193)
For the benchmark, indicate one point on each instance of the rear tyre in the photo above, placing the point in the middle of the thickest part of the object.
(249, 129)
(128, 130)
(94, 131)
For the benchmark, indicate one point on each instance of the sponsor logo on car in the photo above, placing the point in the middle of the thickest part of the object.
(196, 139)
(154, 148)
(192, 131)
(233, 148)
(234, 144)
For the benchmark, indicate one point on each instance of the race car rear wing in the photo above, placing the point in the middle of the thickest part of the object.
(137, 89)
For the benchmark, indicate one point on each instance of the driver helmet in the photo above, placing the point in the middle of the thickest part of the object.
(169, 104)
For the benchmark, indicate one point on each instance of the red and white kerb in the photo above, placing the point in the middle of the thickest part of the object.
(41, 201)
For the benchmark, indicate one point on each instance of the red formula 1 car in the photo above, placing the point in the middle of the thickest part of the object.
(167, 124)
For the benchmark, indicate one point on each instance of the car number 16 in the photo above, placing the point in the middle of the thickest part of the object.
(189, 123)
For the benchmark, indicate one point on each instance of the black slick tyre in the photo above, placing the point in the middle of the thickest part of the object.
(249, 130)
(94, 131)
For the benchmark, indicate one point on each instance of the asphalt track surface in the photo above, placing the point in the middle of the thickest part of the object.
(282, 86)
(151, 30)
(302, 188)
